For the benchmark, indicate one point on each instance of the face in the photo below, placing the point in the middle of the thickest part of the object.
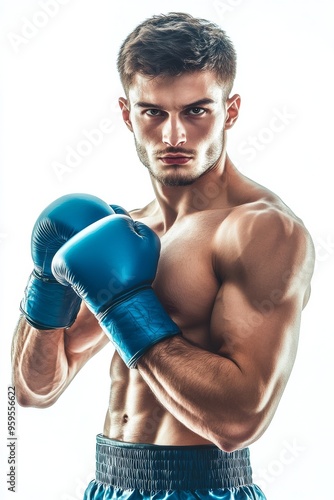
(178, 124)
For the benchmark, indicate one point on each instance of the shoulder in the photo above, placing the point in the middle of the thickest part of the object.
(141, 213)
(263, 225)
(265, 244)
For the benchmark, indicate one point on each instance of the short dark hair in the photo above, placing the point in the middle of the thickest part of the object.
(175, 43)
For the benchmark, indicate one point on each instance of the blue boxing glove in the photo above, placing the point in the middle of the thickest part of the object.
(46, 303)
(111, 265)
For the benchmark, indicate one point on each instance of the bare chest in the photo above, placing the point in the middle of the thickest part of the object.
(186, 282)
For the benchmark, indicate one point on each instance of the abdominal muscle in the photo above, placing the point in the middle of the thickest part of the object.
(135, 415)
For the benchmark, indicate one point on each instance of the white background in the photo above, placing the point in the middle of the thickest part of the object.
(58, 80)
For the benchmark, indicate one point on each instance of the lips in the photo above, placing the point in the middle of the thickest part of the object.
(175, 159)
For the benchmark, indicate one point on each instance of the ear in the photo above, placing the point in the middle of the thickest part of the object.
(232, 110)
(125, 109)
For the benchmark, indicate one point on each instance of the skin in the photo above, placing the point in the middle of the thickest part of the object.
(234, 274)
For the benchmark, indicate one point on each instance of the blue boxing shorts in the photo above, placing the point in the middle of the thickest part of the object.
(135, 471)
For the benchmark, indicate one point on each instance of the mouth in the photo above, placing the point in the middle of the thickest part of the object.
(176, 159)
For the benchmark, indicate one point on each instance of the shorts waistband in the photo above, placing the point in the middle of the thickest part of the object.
(150, 467)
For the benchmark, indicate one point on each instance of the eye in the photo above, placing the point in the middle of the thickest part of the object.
(196, 111)
(153, 112)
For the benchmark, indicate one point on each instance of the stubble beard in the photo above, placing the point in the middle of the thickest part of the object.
(178, 178)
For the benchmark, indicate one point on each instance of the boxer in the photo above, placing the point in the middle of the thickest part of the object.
(200, 292)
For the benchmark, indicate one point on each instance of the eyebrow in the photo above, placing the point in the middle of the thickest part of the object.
(200, 102)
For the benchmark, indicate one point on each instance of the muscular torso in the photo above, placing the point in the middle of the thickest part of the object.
(187, 286)
(187, 283)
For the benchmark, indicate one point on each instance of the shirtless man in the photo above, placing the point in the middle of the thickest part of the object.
(204, 354)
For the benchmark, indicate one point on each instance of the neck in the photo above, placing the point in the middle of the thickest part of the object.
(207, 192)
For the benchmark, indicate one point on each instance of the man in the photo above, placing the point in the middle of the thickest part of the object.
(201, 291)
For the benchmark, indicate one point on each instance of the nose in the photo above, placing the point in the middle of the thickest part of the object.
(173, 133)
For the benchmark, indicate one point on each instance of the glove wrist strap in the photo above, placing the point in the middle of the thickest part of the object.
(48, 305)
(137, 323)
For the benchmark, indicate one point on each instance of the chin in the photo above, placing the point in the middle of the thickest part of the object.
(175, 180)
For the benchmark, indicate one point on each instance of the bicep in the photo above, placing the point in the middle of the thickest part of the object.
(260, 337)
(265, 284)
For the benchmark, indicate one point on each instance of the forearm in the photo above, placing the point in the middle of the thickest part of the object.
(206, 392)
(40, 365)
